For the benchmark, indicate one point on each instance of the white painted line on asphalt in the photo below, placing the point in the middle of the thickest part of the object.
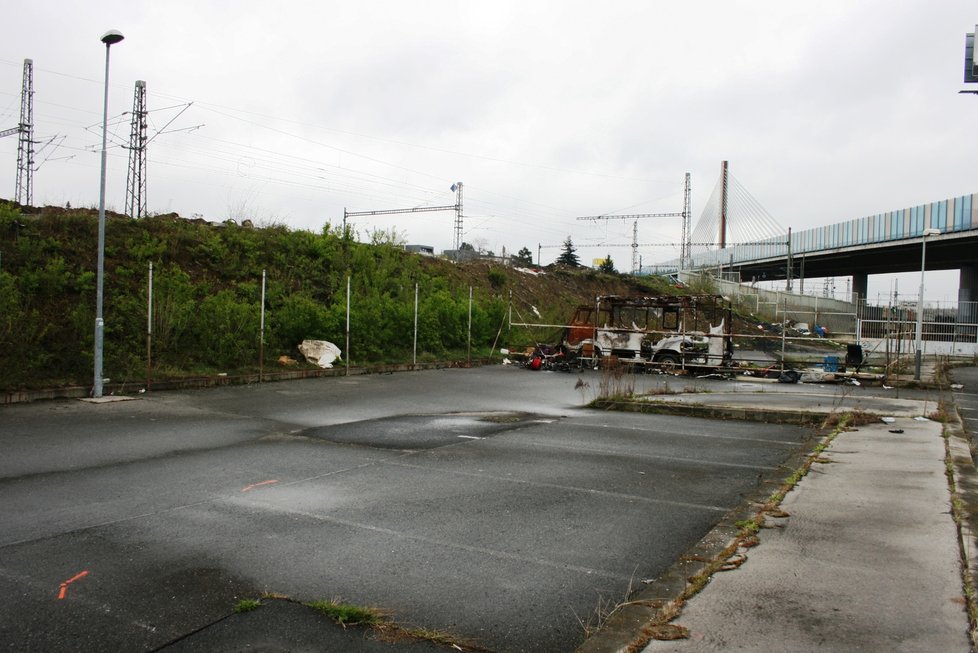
(572, 488)
(714, 436)
(494, 553)
(470, 437)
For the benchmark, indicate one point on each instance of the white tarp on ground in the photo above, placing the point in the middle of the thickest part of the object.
(319, 352)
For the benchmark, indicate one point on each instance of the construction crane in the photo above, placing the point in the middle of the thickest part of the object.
(457, 207)
(637, 216)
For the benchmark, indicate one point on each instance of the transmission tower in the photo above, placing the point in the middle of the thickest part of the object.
(684, 215)
(457, 187)
(24, 195)
(457, 207)
(136, 182)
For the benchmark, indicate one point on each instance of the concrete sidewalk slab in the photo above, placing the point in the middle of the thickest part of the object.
(867, 560)
(800, 401)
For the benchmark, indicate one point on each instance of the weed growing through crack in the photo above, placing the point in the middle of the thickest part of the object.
(748, 526)
(246, 605)
(347, 614)
(943, 414)
(604, 609)
(617, 381)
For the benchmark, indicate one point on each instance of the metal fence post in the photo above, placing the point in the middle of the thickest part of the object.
(414, 360)
(261, 332)
(149, 329)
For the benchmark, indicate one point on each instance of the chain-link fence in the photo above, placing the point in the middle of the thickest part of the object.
(946, 328)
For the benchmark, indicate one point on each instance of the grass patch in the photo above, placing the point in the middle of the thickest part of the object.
(435, 637)
(348, 614)
(748, 526)
(944, 412)
(351, 615)
(246, 605)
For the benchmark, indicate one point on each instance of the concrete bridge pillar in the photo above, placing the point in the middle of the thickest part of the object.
(860, 286)
(967, 300)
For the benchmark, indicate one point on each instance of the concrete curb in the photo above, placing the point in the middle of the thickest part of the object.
(80, 391)
(964, 476)
(765, 415)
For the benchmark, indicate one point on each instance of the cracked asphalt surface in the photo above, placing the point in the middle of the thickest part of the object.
(485, 503)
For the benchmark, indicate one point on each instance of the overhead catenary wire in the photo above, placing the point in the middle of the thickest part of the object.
(379, 179)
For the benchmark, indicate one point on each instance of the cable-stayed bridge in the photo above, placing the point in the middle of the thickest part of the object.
(735, 234)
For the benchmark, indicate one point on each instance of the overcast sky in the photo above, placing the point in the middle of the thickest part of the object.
(826, 111)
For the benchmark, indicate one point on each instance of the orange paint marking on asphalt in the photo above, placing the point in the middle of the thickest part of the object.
(254, 485)
(64, 585)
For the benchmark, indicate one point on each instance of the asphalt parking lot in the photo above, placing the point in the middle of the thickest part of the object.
(966, 398)
(484, 503)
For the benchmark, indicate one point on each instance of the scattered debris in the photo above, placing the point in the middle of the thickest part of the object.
(956, 386)
(668, 632)
(816, 376)
(287, 361)
(319, 352)
(921, 418)
(896, 430)
(532, 271)
(789, 376)
(888, 420)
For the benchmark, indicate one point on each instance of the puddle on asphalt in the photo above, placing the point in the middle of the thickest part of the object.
(419, 431)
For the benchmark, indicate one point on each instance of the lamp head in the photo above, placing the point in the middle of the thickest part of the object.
(932, 232)
(112, 37)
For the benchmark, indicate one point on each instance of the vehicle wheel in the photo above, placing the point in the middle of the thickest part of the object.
(668, 361)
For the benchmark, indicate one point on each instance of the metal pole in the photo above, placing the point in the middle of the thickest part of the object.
(100, 281)
(261, 336)
(149, 329)
(783, 330)
(415, 358)
(920, 307)
(348, 326)
(791, 263)
(470, 326)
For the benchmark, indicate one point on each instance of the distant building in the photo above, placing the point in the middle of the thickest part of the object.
(424, 250)
(460, 254)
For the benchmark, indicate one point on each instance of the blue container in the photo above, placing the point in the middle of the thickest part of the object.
(831, 364)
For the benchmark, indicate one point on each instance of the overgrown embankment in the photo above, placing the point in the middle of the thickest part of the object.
(207, 297)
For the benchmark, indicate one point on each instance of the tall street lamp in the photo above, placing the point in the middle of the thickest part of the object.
(920, 298)
(110, 38)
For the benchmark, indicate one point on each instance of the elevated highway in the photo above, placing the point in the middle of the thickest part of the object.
(876, 244)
